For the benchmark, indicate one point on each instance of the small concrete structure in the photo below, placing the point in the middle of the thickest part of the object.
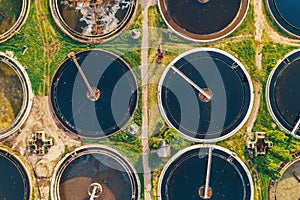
(159, 54)
(133, 129)
(135, 34)
(39, 144)
(259, 145)
(164, 150)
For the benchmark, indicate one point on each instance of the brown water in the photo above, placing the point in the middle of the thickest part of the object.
(9, 13)
(11, 95)
(97, 168)
(94, 19)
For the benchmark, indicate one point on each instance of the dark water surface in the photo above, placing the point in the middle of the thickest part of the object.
(203, 18)
(285, 91)
(14, 183)
(187, 174)
(228, 84)
(111, 111)
(286, 13)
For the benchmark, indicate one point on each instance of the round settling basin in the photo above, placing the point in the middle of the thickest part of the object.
(90, 167)
(228, 90)
(286, 15)
(288, 185)
(196, 169)
(93, 94)
(15, 95)
(203, 20)
(92, 21)
(283, 93)
(13, 14)
(14, 179)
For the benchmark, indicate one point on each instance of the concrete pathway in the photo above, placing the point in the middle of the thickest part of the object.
(144, 71)
(259, 24)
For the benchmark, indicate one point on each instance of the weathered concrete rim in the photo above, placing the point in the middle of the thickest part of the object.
(277, 22)
(87, 149)
(25, 167)
(91, 39)
(199, 146)
(288, 165)
(19, 23)
(27, 95)
(268, 93)
(241, 15)
(78, 136)
(160, 85)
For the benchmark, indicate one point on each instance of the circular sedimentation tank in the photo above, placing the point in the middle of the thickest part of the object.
(13, 14)
(205, 172)
(95, 168)
(14, 178)
(288, 185)
(283, 93)
(286, 15)
(92, 21)
(206, 94)
(15, 95)
(203, 20)
(93, 94)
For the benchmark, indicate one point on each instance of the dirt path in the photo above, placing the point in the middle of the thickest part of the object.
(50, 42)
(262, 26)
(145, 122)
(40, 119)
(259, 24)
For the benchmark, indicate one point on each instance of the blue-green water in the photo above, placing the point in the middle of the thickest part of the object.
(286, 13)
(14, 184)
